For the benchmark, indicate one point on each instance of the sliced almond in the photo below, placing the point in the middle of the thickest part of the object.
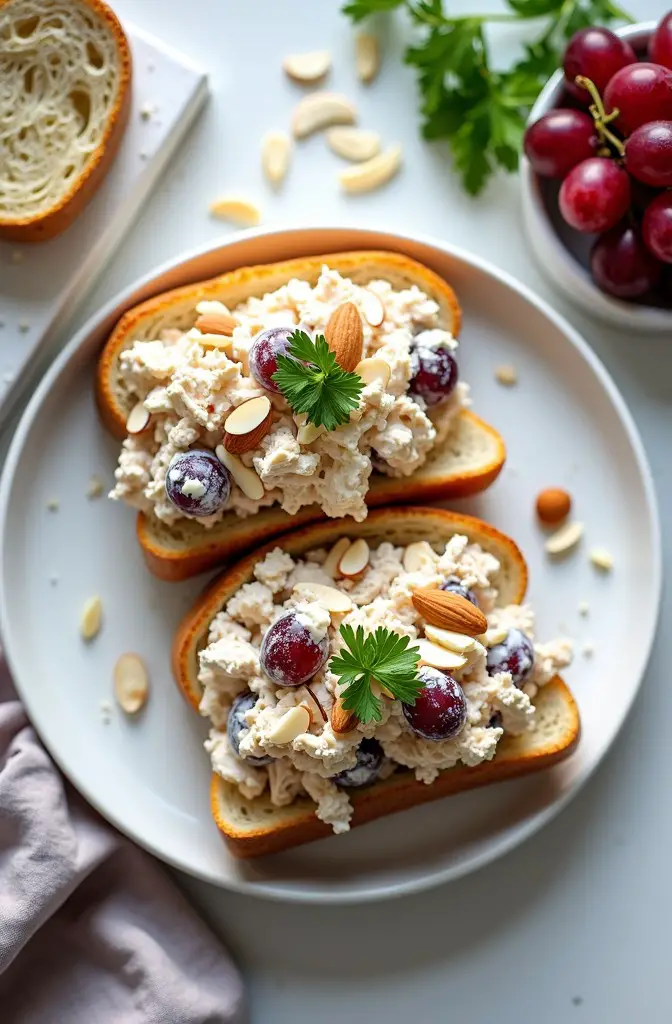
(138, 420)
(449, 611)
(458, 642)
(374, 369)
(345, 335)
(437, 656)
(246, 478)
(290, 725)
(131, 683)
(307, 68)
(276, 149)
(372, 174)
(493, 636)
(419, 556)
(333, 559)
(247, 425)
(354, 144)
(563, 540)
(216, 323)
(238, 211)
(367, 56)
(320, 110)
(341, 720)
(91, 618)
(223, 342)
(355, 559)
(372, 308)
(329, 597)
(307, 432)
(602, 559)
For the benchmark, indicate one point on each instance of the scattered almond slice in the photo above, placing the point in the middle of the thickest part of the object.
(506, 375)
(367, 56)
(216, 323)
(138, 419)
(245, 427)
(238, 211)
(355, 559)
(354, 144)
(437, 656)
(91, 618)
(333, 600)
(333, 559)
(372, 308)
(247, 479)
(418, 556)
(131, 683)
(602, 559)
(373, 369)
(584, 608)
(320, 110)
(276, 149)
(307, 68)
(290, 725)
(460, 643)
(563, 540)
(95, 488)
(372, 174)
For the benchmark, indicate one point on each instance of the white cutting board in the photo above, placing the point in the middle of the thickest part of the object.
(41, 285)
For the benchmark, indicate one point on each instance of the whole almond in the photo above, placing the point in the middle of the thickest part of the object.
(553, 505)
(342, 720)
(345, 335)
(216, 323)
(258, 413)
(449, 611)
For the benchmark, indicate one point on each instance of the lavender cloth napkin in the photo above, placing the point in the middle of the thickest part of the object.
(92, 931)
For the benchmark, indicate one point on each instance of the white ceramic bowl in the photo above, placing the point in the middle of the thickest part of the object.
(562, 252)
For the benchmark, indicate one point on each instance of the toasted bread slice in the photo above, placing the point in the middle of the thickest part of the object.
(254, 827)
(467, 462)
(65, 66)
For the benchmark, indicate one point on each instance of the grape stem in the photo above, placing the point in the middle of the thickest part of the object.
(600, 116)
(322, 711)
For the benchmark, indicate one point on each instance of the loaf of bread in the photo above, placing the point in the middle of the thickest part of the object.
(65, 96)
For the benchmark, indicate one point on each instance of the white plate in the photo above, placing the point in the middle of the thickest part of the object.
(564, 424)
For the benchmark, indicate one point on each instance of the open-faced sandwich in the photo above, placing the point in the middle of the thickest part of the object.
(356, 669)
(275, 395)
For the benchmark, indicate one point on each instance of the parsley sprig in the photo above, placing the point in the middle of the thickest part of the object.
(479, 110)
(313, 383)
(383, 657)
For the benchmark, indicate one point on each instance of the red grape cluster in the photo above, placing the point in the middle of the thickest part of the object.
(612, 150)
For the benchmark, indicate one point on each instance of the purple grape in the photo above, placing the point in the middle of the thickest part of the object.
(440, 709)
(657, 227)
(648, 153)
(289, 655)
(454, 585)
(197, 483)
(595, 53)
(264, 353)
(236, 726)
(594, 195)
(365, 772)
(435, 373)
(641, 92)
(622, 265)
(559, 141)
(660, 44)
(515, 654)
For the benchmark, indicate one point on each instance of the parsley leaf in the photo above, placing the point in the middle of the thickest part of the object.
(313, 383)
(383, 657)
(360, 9)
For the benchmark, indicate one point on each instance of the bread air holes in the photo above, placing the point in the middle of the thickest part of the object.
(94, 57)
(26, 28)
(81, 101)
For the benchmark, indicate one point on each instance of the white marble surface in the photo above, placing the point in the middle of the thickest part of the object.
(572, 926)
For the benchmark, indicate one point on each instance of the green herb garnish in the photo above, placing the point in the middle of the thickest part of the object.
(383, 657)
(313, 383)
(480, 111)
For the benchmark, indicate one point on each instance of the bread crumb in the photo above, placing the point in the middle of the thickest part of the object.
(24, 326)
(588, 649)
(584, 608)
(18, 256)
(143, 155)
(7, 378)
(146, 111)
(602, 559)
(506, 375)
(53, 580)
(106, 711)
(53, 504)
(95, 488)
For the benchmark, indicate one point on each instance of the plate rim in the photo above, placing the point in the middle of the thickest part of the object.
(284, 892)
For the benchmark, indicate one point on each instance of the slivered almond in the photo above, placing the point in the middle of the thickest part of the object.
(449, 611)
(320, 110)
(246, 425)
(418, 556)
(372, 174)
(354, 144)
(238, 211)
(493, 636)
(306, 432)
(372, 308)
(290, 725)
(374, 369)
(563, 540)
(355, 559)
(246, 478)
(138, 420)
(367, 56)
(91, 618)
(307, 68)
(329, 597)
(458, 642)
(276, 149)
(333, 559)
(437, 656)
(345, 335)
(216, 323)
(131, 683)
(341, 720)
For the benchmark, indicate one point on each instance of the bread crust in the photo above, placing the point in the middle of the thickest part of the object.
(47, 225)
